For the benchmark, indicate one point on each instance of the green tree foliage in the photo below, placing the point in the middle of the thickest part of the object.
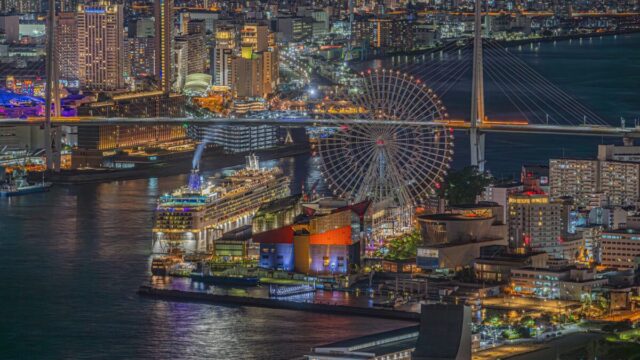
(463, 186)
(403, 247)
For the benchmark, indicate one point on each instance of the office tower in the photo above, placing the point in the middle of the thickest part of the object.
(67, 48)
(100, 47)
(223, 55)
(163, 12)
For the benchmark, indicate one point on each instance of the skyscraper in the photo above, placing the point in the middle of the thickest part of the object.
(256, 36)
(100, 47)
(67, 48)
(196, 47)
(163, 12)
(255, 72)
(223, 55)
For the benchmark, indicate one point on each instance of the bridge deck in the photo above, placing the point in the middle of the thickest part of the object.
(490, 127)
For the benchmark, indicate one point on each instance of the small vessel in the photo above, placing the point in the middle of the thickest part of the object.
(203, 273)
(160, 266)
(238, 280)
(165, 265)
(16, 184)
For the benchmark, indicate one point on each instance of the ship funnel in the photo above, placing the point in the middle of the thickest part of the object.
(252, 162)
(194, 180)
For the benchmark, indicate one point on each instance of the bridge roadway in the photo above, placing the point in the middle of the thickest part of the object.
(294, 121)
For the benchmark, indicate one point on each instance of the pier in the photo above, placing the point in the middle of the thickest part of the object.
(191, 296)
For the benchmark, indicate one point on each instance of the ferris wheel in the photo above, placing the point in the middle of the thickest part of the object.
(404, 160)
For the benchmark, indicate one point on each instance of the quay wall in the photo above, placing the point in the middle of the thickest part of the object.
(190, 296)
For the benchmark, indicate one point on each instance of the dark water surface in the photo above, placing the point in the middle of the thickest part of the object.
(72, 259)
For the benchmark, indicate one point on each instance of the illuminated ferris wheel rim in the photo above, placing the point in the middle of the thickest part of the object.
(382, 161)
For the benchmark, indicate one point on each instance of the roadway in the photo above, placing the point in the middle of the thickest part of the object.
(306, 120)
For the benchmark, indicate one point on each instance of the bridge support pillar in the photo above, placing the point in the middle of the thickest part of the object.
(477, 148)
(288, 139)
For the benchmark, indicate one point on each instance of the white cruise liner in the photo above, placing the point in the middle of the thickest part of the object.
(190, 219)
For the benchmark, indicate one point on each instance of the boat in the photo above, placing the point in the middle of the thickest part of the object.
(165, 265)
(238, 280)
(193, 216)
(160, 266)
(16, 184)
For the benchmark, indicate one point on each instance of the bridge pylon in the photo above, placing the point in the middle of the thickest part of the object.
(52, 136)
(476, 137)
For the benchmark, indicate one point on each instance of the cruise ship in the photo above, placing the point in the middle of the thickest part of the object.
(189, 220)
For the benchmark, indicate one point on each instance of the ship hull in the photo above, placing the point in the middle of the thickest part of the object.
(25, 191)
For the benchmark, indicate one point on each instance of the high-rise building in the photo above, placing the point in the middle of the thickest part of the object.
(196, 49)
(255, 36)
(141, 48)
(163, 12)
(180, 62)
(620, 249)
(142, 56)
(21, 6)
(536, 223)
(270, 68)
(100, 47)
(620, 181)
(10, 27)
(67, 48)
(255, 72)
(615, 175)
(144, 28)
(247, 74)
(68, 5)
(575, 178)
(222, 55)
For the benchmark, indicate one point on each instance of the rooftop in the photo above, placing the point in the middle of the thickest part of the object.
(279, 204)
(242, 233)
(452, 217)
(379, 343)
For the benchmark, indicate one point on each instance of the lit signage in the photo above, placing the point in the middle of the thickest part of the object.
(430, 253)
(527, 200)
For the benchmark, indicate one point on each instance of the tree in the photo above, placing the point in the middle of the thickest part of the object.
(463, 186)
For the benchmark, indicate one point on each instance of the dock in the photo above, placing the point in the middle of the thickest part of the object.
(208, 298)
